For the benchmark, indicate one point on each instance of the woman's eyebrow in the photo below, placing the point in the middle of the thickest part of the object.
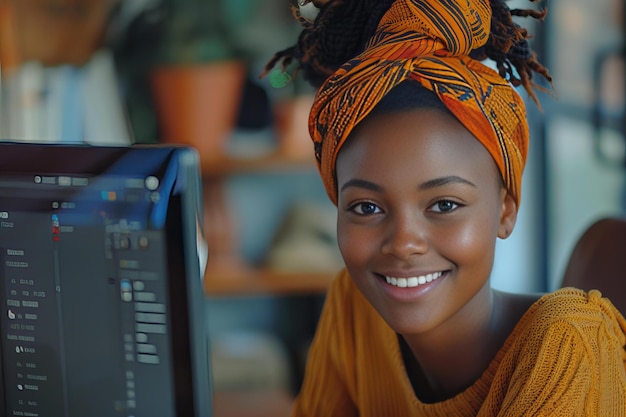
(435, 182)
(359, 183)
(438, 182)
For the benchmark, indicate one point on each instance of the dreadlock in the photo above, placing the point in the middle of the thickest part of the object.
(508, 47)
(338, 34)
(343, 27)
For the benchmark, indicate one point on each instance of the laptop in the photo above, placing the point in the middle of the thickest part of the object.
(101, 299)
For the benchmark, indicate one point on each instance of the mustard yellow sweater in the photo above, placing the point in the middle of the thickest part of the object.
(565, 357)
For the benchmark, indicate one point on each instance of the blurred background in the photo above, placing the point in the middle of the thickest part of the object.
(118, 72)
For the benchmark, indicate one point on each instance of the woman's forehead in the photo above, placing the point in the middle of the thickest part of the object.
(427, 142)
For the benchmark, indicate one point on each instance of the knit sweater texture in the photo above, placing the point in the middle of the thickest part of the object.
(565, 357)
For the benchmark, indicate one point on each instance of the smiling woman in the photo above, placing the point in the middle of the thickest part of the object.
(432, 204)
(422, 148)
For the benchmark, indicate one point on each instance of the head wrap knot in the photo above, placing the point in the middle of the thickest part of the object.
(428, 41)
(460, 26)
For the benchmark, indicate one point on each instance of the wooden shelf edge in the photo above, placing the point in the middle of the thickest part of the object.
(227, 165)
(265, 282)
(252, 403)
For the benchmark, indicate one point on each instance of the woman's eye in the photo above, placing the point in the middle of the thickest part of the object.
(366, 208)
(444, 206)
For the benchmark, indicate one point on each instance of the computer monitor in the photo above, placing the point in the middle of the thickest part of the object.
(101, 300)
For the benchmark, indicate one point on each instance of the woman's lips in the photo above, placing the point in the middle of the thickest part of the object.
(410, 282)
(410, 288)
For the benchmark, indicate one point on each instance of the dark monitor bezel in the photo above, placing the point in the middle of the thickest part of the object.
(189, 341)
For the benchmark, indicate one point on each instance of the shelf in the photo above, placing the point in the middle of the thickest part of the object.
(227, 274)
(246, 282)
(278, 162)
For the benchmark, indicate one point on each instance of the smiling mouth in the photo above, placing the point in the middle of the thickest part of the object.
(412, 281)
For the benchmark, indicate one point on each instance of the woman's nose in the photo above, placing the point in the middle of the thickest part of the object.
(405, 236)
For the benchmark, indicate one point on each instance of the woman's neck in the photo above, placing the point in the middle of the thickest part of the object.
(451, 357)
(447, 360)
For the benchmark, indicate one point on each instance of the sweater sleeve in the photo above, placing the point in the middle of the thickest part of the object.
(328, 387)
(571, 366)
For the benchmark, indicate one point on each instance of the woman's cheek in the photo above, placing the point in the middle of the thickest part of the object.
(355, 243)
(468, 240)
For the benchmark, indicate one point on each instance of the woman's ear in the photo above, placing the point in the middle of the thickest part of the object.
(508, 215)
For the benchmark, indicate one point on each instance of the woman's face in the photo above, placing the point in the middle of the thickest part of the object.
(420, 205)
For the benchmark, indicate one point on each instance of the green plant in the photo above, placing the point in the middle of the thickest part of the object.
(195, 31)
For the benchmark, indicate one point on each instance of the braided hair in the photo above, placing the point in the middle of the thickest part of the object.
(508, 47)
(343, 27)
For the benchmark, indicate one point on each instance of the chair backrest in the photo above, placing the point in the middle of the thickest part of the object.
(598, 261)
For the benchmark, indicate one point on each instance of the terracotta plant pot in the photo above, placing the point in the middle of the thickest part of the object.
(292, 121)
(9, 57)
(198, 105)
(56, 32)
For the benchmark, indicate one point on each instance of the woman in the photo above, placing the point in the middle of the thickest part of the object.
(422, 147)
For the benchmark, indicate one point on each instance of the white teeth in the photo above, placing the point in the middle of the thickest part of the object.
(413, 281)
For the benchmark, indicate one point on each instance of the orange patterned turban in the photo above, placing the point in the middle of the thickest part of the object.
(428, 41)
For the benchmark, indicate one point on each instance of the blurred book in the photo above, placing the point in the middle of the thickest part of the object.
(64, 104)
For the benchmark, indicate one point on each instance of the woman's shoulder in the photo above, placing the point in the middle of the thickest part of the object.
(344, 298)
(572, 309)
(344, 295)
(576, 304)
(568, 350)
(343, 289)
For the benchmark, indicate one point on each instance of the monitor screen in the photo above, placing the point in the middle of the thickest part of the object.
(101, 297)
